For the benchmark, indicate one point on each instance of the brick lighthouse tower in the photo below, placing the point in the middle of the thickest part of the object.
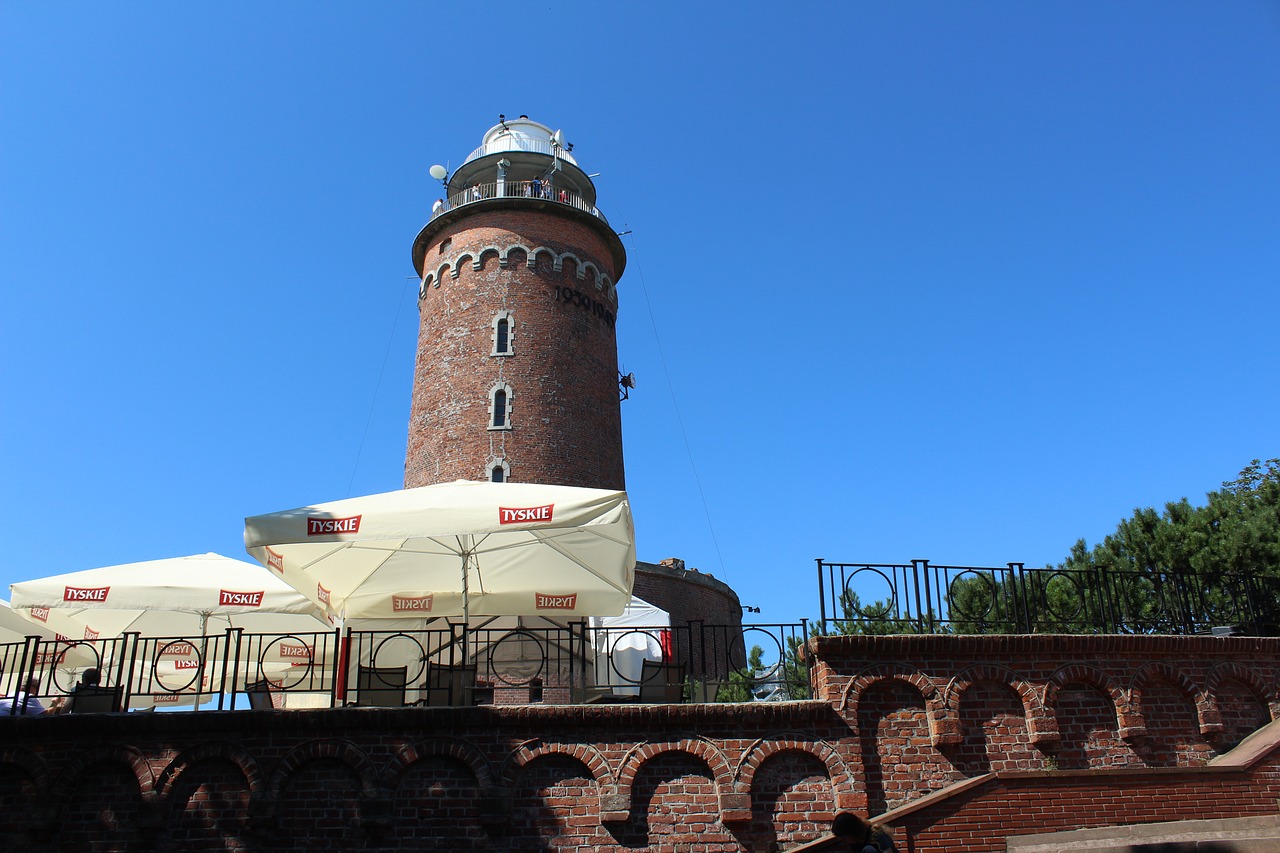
(517, 366)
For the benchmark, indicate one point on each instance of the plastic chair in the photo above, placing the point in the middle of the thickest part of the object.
(661, 683)
(381, 686)
(260, 696)
(450, 685)
(94, 699)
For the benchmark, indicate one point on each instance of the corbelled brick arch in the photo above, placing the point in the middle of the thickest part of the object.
(38, 813)
(464, 752)
(453, 267)
(255, 780)
(842, 780)
(589, 756)
(30, 763)
(1128, 722)
(1041, 727)
(356, 759)
(941, 729)
(732, 804)
(128, 756)
(1206, 713)
(1263, 688)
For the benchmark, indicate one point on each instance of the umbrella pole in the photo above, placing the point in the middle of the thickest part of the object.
(466, 603)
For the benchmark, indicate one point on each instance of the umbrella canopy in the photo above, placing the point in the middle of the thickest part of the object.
(166, 598)
(463, 548)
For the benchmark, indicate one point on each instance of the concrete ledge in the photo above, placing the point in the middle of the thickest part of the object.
(1234, 835)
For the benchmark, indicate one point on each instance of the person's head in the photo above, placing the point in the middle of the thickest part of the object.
(91, 677)
(849, 827)
(32, 685)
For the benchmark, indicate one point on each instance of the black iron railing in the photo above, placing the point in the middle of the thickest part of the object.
(920, 597)
(441, 664)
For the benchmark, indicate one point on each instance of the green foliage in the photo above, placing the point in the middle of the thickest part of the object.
(1159, 571)
(791, 674)
(874, 618)
(1187, 566)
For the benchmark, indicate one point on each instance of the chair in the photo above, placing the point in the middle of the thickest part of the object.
(260, 696)
(381, 686)
(450, 685)
(95, 699)
(661, 683)
(707, 690)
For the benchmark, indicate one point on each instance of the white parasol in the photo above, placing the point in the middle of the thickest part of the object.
(456, 549)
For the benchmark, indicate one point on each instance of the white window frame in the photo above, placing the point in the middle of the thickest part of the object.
(511, 333)
(498, 462)
(493, 397)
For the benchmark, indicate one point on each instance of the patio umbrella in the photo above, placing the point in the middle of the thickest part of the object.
(456, 549)
(179, 597)
(165, 598)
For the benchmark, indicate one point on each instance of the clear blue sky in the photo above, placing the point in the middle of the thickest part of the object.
(963, 281)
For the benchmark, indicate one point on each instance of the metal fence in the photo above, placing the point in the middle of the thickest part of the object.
(540, 191)
(920, 597)
(439, 664)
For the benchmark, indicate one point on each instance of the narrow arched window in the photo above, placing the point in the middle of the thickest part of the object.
(498, 469)
(500, 408)
(504, 329)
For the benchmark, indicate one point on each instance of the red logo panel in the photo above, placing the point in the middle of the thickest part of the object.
(524, 515)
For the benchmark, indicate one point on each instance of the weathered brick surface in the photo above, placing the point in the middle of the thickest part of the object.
(554, 274)
(958, 741)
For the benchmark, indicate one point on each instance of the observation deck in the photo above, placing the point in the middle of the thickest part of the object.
(524, 165)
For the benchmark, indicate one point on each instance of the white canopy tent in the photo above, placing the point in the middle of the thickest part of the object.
(624, 642)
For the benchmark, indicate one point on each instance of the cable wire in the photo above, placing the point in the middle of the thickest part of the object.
(377, 387)
(633, 262)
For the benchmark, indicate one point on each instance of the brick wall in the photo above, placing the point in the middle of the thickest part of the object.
(957, 741)
(553, 272)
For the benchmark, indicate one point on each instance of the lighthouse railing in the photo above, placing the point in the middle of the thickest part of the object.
(543, 191)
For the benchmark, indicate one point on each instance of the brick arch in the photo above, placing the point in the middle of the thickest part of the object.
(941, 729)
(1262, 687)
(1206, 710)
(762, 750)
(711, 755)
(126, 755)
(1129, 721)
(532, 260)
(253, 774)
(434, 279)
(341, 750)
(591, 757)
(578, 271)
(1041, 725)
(458, 264)
(30, 762)
(464, 752)
(483, 254)
(504, 258)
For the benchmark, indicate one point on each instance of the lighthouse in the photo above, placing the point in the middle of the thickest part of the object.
(517, 361)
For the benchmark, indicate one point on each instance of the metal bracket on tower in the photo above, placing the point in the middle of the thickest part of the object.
(625, 384)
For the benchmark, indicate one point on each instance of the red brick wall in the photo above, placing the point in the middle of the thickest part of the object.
(957, 741)
(565, 419)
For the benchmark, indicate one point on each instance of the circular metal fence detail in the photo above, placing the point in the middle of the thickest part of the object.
(521, 636)
(187, 658)
(957, 609)
(864, 612)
